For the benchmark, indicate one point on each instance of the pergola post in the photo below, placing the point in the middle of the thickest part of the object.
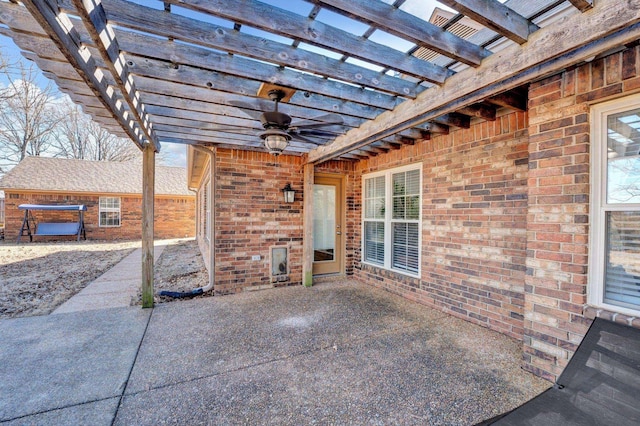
(148, 185)
(307, 226)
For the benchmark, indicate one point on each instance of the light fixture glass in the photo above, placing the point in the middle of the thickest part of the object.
(275, 140)
(289, 193)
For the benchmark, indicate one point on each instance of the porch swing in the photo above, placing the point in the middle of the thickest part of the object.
(31, 227)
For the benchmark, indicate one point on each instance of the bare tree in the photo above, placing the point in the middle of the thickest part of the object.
(27, 117)
(78, 136)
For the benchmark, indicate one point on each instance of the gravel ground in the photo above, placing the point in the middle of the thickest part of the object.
(337, 353)
(39, 277)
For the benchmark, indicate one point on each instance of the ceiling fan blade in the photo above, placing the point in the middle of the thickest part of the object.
(304, 139)
(319, 133)
(253, 111)
(319, 121)
(231, 129)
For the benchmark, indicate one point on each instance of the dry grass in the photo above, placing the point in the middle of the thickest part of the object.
(37, 277)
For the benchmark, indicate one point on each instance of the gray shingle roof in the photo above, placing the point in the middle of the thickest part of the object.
(70, 175)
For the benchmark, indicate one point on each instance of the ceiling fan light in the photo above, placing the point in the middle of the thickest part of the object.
(275, 140)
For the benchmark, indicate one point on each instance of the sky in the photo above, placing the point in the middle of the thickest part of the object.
(175, 154)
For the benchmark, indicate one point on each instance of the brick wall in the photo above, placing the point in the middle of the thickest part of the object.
(505, 215)
(474, 223)
(174, 217)
(252, 217)
(558, 219)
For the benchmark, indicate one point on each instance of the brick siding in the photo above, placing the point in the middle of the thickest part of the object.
(505, 215)
(251, 217)
(174, 216)
(473, 223)
(558, 220)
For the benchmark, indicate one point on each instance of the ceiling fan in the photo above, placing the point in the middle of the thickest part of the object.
(279, 129)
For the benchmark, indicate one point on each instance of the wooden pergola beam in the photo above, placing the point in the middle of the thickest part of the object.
(176, 27)
(582, 5)
(59, 27)
(510, 100)
(402, 24)
(609, 24)
(216, 120)
(433, 127)
(496, 16)
(200, 61)
(93, 16)
(148, 195)
(454, 119)
(307, 225)
(484, 111)
(156, 81)
(289, 24)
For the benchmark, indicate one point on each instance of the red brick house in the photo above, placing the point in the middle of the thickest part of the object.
(489, 173)
(111, 191)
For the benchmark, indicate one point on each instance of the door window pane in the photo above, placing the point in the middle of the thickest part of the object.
(324, 222)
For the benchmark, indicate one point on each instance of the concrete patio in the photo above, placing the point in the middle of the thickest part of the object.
(338, 353)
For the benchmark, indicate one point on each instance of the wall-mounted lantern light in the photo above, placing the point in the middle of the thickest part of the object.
(289, 193)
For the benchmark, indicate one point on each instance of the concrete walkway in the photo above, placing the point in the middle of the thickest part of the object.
(113, 289)
(336, 353)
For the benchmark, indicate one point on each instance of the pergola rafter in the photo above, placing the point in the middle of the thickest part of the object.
(176, 27)
(287, 24)
(402, 24)
(60, 28)
(609, 24)
(193, 71)
(496, 16)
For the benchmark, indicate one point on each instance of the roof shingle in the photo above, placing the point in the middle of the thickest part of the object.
(71, 175)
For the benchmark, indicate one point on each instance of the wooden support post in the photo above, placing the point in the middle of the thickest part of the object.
(148, 185)
(307, 226)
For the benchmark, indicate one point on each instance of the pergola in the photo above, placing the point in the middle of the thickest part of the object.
(198, 72)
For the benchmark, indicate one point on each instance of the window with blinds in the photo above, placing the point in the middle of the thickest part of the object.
(615, 247)
(391, 219)
(109, 212)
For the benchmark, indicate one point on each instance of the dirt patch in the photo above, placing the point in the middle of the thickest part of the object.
(180, 268)
(39, 277)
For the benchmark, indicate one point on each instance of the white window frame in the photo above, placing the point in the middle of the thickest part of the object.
(102, 209)
(598, 204)
(388, 219)
(206, 199)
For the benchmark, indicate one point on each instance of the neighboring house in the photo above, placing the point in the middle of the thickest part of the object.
(110, 190)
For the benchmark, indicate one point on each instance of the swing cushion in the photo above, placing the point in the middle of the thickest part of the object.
(52, 228)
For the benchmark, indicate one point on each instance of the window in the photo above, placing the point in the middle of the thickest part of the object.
(614, 281)
(206, 206)
(109, 211)
(391, 219)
